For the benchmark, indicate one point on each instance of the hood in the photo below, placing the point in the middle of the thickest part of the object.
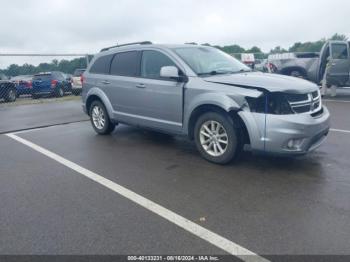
(265, 81)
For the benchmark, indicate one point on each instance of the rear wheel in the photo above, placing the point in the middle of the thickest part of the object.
(297, 73)
(216, 138)
(11, 95)
(59, 92)
(99, 118)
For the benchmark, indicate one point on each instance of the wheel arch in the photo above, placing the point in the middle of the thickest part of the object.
(289, 69)
(97, 94)
(231, 112)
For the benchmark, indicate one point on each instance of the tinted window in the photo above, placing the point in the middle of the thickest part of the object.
(126, 64)
(42, 77)
(339, 51)
(152, 62)
(101, 65)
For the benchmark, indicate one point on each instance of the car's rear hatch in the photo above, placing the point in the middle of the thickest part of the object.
(42, 83)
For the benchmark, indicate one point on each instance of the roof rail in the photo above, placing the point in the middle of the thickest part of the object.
(134, 43)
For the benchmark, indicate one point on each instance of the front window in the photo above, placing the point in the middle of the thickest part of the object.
(210, 61)
(340, 51)
(152, 62)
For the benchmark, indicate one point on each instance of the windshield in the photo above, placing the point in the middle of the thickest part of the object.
(78, 72)
(210, 61)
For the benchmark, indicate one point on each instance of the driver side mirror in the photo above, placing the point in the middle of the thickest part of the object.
(173, 73)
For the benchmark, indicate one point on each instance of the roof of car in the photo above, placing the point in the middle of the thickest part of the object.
(143, 46)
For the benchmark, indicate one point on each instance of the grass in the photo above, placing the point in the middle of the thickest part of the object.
(29, 101)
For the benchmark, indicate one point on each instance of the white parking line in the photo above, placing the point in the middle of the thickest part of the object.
(195, 229)
(334, 100)
(339, 130)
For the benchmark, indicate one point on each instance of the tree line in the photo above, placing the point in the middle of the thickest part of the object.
(68, 66)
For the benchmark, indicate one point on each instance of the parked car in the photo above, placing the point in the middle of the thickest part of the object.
(76, 81)
(261, 65)
(50, 83)
(23, 84)
(7, 89)
(207, 95)
(312, 66)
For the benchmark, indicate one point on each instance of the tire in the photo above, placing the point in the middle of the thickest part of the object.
(35, 96)
(11, 95)
(59, 92)
(218, 125)
(101, 127)
(76, 92)
(297, 73)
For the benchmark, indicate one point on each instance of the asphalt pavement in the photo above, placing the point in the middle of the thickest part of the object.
(268, 205)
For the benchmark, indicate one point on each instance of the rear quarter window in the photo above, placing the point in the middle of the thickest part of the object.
(101, 65)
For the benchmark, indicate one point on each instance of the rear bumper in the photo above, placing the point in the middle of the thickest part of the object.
(287, 134)
(77, 87)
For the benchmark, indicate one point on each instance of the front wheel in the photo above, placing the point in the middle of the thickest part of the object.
(99, 119)
(216, 138)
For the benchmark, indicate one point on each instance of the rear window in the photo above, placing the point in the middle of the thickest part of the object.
(101, 65)
(79, 72)
(126, 64)
(42, 77)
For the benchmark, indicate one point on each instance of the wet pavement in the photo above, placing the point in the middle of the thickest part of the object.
(267, 205)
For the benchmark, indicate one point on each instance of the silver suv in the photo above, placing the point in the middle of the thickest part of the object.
(205, 94)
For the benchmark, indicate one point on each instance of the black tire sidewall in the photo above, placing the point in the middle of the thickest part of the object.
(109, 126)
(233, 142)
(8, 97)
(60, 92)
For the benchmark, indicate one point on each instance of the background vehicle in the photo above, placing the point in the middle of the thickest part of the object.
(76, 81)
(23, 84)
(311, 66)
(206, 95)
(261, 65)
(50, 83)
(7, 89)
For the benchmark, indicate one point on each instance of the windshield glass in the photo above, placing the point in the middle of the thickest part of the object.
(210, 61)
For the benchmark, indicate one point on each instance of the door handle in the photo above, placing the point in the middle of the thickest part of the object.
(105, 82)
(140, 85)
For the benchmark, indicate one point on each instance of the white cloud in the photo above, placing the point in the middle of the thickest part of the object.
(87, 26)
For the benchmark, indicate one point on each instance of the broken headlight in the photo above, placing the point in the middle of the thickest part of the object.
(270, 103)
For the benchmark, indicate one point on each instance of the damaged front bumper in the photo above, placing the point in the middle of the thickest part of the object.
(294, 134)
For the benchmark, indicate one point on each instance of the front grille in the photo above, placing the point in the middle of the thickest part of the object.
(305, 103)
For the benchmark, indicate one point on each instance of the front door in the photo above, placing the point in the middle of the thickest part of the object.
(340, 63)
(162, 98)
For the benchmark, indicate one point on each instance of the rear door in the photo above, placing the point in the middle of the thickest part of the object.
(340, 66)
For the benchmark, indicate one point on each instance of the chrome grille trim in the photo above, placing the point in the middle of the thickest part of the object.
(312, 104)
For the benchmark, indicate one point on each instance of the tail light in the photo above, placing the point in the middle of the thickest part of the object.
(29, 84)
(82, 79)
(53, 83)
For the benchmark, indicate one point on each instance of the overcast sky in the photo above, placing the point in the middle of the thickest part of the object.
(87, 26)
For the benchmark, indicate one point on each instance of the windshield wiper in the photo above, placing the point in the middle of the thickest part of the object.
(215, 72)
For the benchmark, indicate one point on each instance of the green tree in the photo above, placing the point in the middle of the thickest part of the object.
(339, 37)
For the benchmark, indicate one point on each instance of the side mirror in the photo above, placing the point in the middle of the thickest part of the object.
(173, 73)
